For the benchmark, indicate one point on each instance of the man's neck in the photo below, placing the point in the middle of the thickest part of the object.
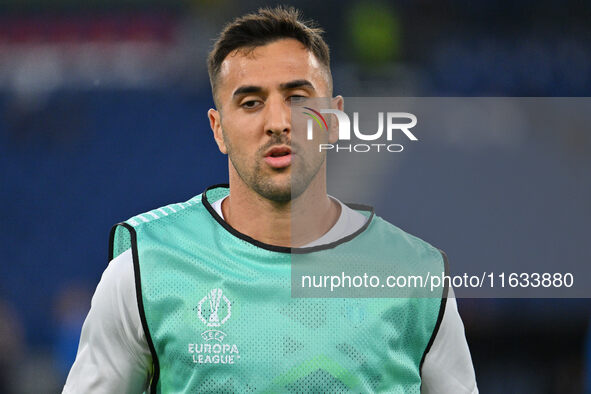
(292, 224)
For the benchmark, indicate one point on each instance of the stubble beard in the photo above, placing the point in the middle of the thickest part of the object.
(252, 173)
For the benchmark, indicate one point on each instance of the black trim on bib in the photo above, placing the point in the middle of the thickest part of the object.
(284, 249)
(138, 292)
(112, 241)
(442, 306)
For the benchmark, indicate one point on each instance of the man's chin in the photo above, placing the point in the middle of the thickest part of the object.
(280, 191)
(276, 194)
(281, 186)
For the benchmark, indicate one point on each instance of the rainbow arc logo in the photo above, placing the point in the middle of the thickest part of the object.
(317, 117)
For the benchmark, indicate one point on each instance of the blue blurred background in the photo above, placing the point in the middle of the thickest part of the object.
(103, 115)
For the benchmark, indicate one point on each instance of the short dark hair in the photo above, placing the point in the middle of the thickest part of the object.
(261, 28)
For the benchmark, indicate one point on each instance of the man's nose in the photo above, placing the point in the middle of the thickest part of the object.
(278, 116)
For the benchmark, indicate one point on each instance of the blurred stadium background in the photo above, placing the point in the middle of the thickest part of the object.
(103, 115)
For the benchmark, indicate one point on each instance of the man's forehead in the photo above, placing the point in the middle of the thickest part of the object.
(288, 58)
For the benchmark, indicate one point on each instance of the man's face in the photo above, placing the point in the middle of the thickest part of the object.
(253, 125)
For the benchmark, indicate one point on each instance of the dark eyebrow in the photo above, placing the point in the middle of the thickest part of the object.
(299, 83)
(247, 89)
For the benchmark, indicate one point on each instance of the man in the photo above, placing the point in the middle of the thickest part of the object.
(197, 297)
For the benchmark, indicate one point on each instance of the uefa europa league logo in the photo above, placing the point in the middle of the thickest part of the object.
(216, 311)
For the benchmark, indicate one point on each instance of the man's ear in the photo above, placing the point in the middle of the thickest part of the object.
(333, 134)
(215, 122)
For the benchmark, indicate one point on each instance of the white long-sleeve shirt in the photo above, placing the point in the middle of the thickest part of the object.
(114, 357)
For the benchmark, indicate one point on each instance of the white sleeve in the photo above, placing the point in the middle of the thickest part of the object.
(113, 354)
(448, 366)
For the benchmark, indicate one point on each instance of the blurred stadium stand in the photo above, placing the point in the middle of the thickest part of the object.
(103, 115)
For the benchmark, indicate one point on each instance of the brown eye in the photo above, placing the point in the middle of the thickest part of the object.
(296, 98)
(250, 104)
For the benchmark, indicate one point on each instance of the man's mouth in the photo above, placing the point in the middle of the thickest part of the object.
(278, 157)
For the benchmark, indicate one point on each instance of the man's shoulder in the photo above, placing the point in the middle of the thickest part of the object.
(401, 239)
(164, 225)
(166, 214)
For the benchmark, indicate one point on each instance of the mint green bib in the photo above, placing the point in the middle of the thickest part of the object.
(218, 314)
